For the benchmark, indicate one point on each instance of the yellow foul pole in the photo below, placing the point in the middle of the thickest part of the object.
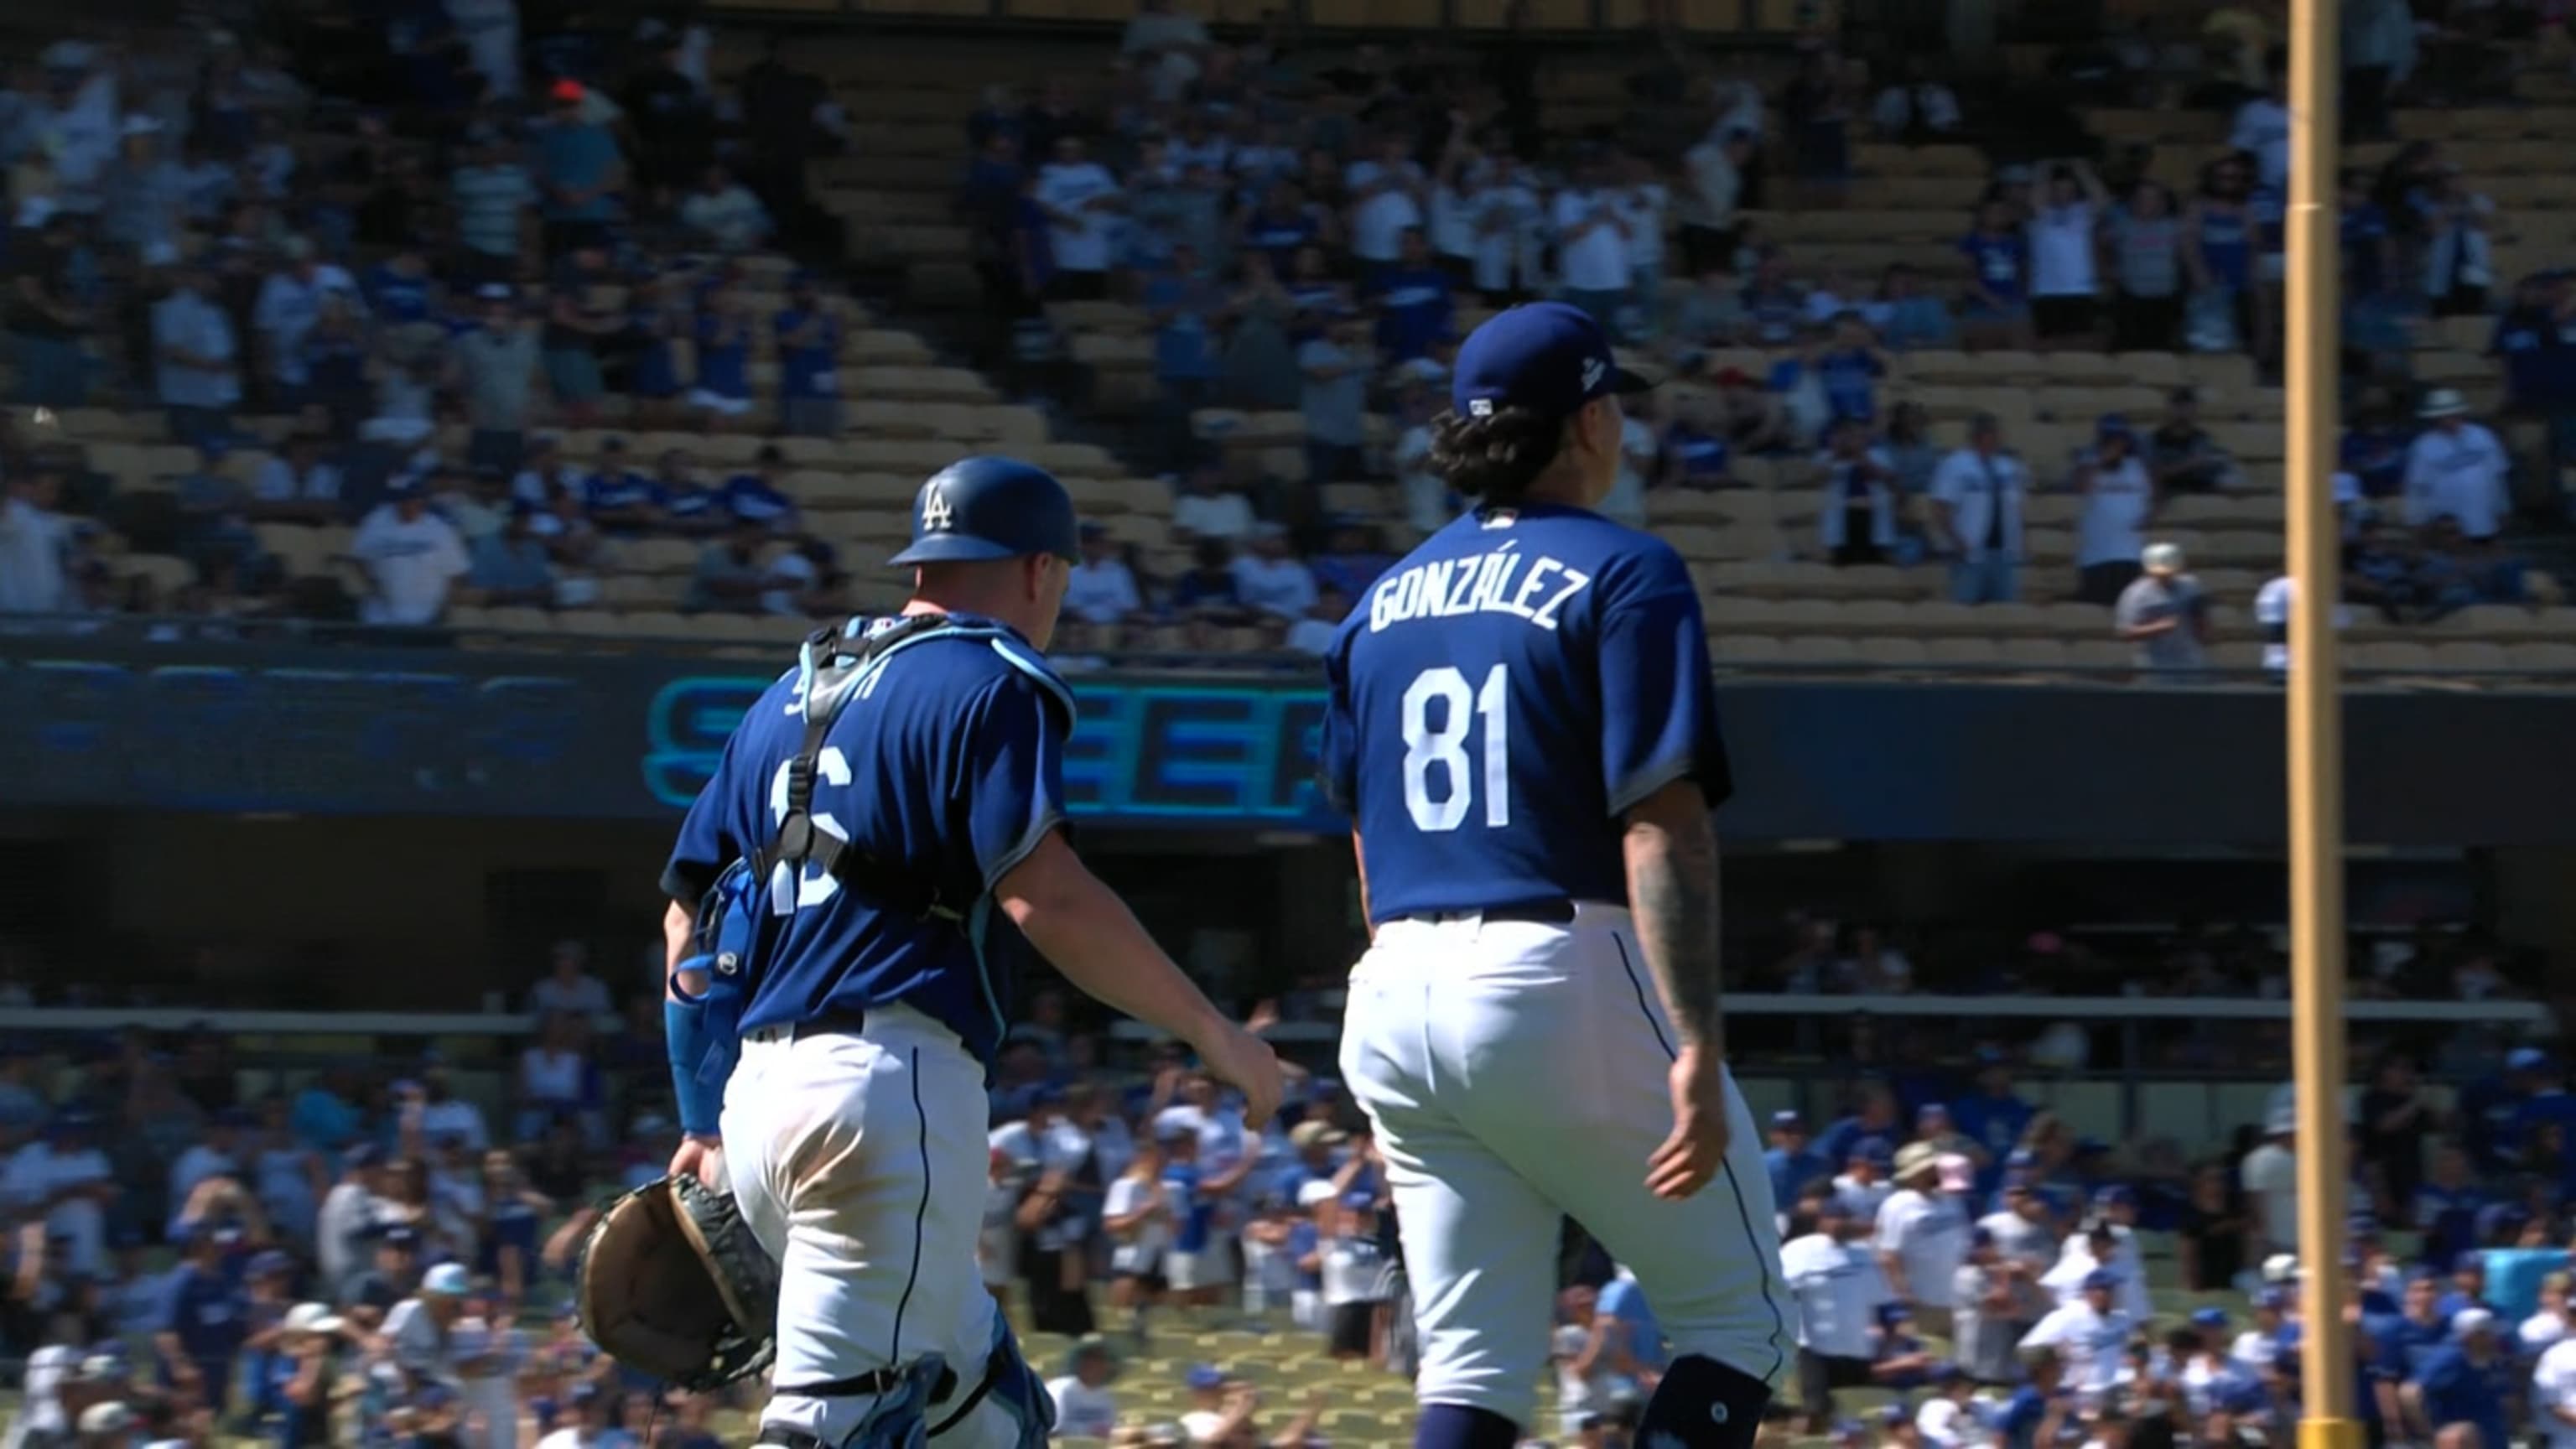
(2316, 730)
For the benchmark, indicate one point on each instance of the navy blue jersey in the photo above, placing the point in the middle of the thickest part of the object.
(948, 764)
(1503, 696)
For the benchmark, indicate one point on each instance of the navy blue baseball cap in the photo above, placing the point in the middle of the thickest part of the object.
(2102, 1278)
(1548, 357)
(2526, 1059)
(989, 508)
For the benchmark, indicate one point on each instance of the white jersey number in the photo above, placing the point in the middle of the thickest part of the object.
(1445, 749)
(791, 888)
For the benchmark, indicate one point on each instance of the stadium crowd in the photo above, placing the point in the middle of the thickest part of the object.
(199, 1251)
(534, 233)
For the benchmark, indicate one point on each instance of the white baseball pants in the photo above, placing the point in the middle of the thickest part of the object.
(860, 1163)
(1516, 1072)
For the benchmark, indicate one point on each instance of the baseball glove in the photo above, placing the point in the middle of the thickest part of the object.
(672, 1284)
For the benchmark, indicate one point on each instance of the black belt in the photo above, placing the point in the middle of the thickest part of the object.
(1557, 912)
(852, 1021)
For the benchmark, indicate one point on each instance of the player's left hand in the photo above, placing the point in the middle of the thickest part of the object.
(1690, 1157)
(703, 1159)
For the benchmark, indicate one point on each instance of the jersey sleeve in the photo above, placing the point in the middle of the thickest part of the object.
(1658, 707)
(1337, 742)
(1014, 776)
(707, 843)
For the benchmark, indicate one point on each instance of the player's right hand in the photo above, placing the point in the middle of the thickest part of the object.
(1245, 1062)
(1691, 1156)
(703, 1159)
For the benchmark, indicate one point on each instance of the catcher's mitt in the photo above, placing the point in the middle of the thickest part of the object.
(673, 1284)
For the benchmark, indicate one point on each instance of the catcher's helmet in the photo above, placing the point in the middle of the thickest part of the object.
(986, 508)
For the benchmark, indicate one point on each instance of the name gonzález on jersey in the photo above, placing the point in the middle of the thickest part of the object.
(1479, 583)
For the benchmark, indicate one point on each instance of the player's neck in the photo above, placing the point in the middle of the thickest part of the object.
(1561, 490)
(959, 601)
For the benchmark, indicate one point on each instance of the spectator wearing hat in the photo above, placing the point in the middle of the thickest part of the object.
(2164, 615)
(1995, 1299)
(2467, 1380)
(591, 1426)
(2456, 469)
(2270, 1178)
(419, 1332)
(1354, 1274)
(1945, 1419)
(809, 361)
(2040, 1409)
(1221, 1407)
(1921, 1235)
(1899, 1358)
(1977, 497)
(580, 171)
(1793, 1164)
(206, 1319)
(1863, 1183)
(1840, 1287)
(301, 1390)
(288, 308)
(63, 1178)
(494, 369)
(350, 1215)
(2089, 1332)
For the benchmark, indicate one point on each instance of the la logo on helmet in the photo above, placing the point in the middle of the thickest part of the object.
(935, 512)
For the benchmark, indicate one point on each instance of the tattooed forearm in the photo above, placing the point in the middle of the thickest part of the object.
(1672, 890)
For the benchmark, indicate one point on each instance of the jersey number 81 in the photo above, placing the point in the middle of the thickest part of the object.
(1445, 748)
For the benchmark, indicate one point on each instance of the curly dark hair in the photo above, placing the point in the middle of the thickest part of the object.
(1495, 458)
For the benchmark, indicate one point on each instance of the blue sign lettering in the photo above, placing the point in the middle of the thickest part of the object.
(1140, 753)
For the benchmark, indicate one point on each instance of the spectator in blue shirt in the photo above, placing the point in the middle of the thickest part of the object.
(1850, 368)
(1994, 1116)
(2446, 1207)
(1876, 1117)
(2468, 1286)
(205, 1316)
(723, 387)
(1903, 1359)
(621, 501)
(1641, 1338)
(580, 170)
(1188, 309)
(760, 496)
(1792, 1163)
(1694, 448)
(2374, 446)
(2490, 1111)
(689, 508)
(2528, 344)
(1413, 300)
(2466, 1381)
(1998, 310)
(809, 361)
(399, 290)
(2040, 1407)
(2397, 1342)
